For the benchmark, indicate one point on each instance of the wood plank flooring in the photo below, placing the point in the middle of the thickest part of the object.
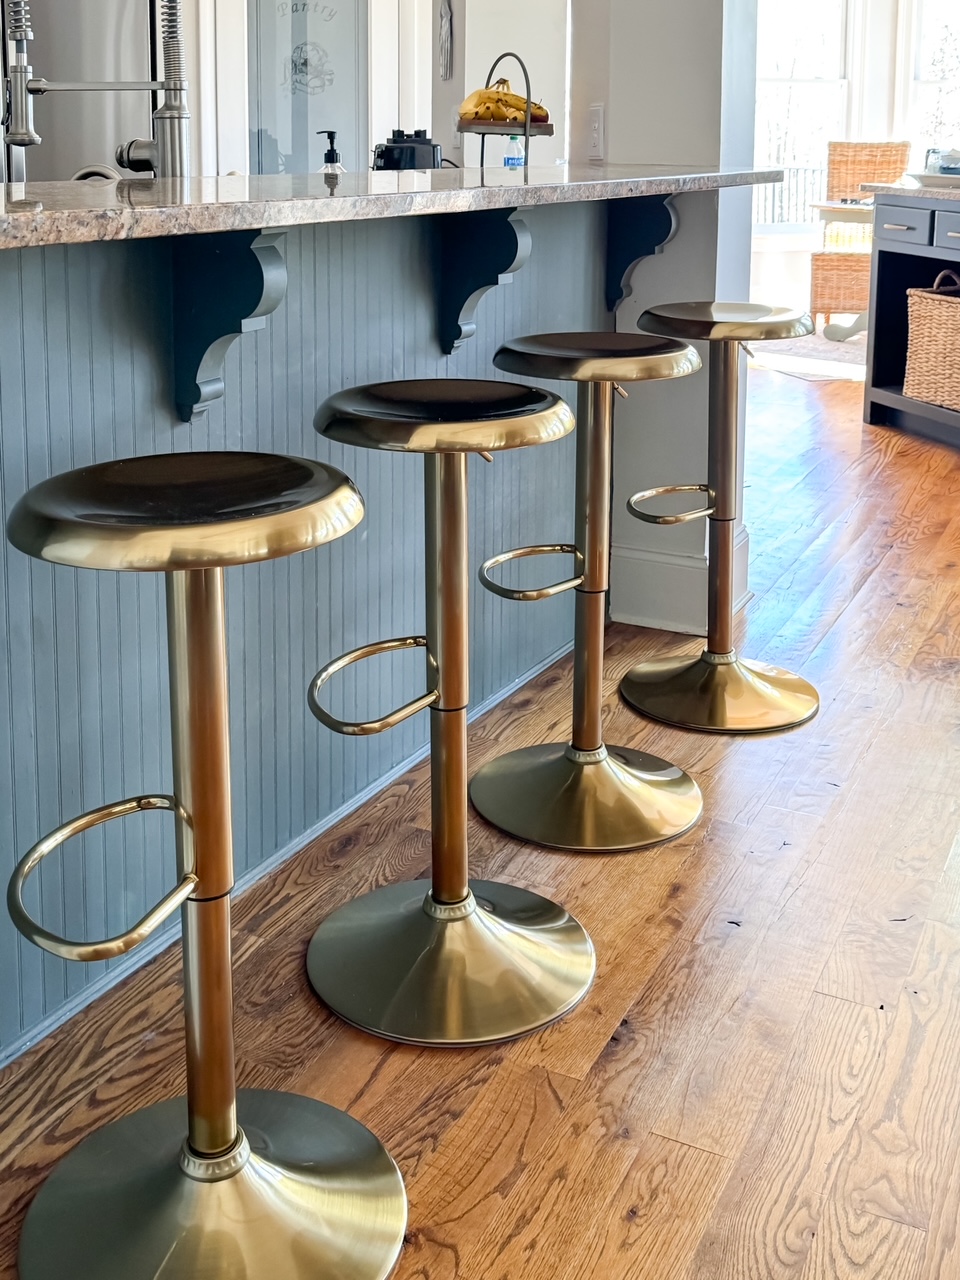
(763, 1083)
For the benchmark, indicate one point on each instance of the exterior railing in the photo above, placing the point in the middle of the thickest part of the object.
(790, 201)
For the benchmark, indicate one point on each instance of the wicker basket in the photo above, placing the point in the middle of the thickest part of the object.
(839, 282)
(840, 276)
(851, 163)
(933, 347)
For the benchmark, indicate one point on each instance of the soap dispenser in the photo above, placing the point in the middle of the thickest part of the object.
(332, 168)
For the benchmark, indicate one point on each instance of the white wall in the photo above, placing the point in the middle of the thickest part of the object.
(590, 70)
(682, 88)
(415, 63)
(448, 94)
(665, 78)
(539, 31)
(216, 38)
(401, 62)
(384, 64)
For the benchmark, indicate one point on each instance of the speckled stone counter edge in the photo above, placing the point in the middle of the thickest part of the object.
(921, 193)
(51, 213)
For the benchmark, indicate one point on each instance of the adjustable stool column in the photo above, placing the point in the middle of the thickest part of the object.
(587, 797)
(180, 1189)
(719, 692)
(453, 962)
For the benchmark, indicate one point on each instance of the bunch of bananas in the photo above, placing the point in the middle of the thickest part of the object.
(500, 104)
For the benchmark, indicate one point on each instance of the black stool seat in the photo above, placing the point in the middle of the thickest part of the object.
(597, 357)
(164, 512)
(444, 415)
(725, 322)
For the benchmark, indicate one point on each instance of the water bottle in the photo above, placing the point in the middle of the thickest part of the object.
(513, 156)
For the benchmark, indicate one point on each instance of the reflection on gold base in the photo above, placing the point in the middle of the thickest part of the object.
(606, 801)
(501, 964)
(315, 1197)
(720, 695)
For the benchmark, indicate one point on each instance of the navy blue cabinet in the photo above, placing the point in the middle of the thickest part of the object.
(915, 238)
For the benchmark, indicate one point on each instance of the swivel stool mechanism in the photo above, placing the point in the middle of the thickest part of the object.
(455, 961)
(719, 692)
(586, 796)
(257, 1184)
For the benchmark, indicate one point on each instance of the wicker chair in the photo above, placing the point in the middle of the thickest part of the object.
(840, 275)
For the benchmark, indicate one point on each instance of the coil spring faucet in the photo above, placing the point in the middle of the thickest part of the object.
(167, 153)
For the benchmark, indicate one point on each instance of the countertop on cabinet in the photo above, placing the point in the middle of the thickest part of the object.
(919, 193)
(51, 213)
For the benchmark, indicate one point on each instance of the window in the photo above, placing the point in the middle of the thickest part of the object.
(934, 92)
(802, 99)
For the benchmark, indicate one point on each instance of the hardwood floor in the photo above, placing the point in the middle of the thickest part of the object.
(763, 1083)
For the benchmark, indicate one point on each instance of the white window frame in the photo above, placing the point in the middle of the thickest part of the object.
(852, 66)
(908, 40)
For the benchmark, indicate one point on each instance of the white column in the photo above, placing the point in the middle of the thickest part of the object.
(215, 35)
(680, 92)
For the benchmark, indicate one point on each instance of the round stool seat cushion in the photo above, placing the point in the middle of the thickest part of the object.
(173, 511)
(597, 357)
(444, 415)
(725, 322)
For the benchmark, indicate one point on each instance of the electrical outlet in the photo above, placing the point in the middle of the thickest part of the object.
(595, 143)
(457, 135)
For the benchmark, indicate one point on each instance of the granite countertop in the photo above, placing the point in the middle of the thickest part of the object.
(921, 193)
(48, 213)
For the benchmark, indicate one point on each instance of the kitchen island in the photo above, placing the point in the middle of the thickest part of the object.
(916, 236)
(142, 317)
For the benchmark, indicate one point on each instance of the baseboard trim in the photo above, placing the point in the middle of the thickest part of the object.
(160, 942)
(667, 590)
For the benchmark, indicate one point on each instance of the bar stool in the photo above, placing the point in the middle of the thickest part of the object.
(719, 692)
(455, 962)
(585, 796)
(179, 1189)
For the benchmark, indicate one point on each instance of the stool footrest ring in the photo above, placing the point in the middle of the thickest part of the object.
(535, 593)
(109, 947)
(633, 505)
(368, 727)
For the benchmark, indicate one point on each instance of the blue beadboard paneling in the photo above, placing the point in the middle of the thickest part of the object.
(85, 375)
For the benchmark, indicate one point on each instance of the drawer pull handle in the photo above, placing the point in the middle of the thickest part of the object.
(897, 226)
(953, 235)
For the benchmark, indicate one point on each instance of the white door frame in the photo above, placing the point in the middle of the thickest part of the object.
(215, 32)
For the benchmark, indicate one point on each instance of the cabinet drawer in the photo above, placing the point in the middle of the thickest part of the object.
(909, 226)
(946, 231)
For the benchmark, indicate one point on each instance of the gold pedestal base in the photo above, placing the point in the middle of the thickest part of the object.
(725, 695)
(316, 1197)
(607, 801)
(501, 964)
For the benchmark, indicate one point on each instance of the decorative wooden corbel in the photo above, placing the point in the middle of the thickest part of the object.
(636, 228)
(224, 285)
(478, 251)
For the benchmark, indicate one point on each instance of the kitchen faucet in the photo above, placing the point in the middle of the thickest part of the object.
(167, 153)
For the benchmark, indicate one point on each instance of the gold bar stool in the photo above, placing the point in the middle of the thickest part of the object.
(585, 796)
(180, 1189)
(719, 692)
(456, 961)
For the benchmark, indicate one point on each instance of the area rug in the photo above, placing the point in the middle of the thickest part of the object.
(816, 359)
